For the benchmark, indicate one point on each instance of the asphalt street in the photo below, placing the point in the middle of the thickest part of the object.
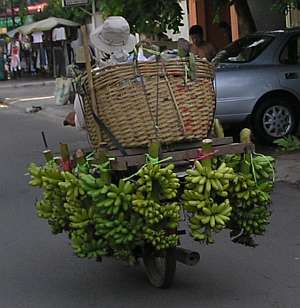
(33, 93)
(39, 270)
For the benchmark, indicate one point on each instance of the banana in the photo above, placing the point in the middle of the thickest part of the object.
(212, 221)
(206, 211)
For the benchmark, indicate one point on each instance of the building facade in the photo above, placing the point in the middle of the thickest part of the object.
(221, 28)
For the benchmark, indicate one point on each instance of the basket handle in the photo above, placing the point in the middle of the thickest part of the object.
(180, 119)
(137, 73)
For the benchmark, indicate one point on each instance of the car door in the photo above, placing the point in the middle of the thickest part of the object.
(241, 78)
(234, 94)
(289, 59)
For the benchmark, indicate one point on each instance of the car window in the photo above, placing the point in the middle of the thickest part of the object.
(244, 50)
(291, 52)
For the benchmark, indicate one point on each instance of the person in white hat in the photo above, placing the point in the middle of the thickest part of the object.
(113, 40)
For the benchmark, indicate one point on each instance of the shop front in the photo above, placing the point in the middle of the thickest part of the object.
(40, 49)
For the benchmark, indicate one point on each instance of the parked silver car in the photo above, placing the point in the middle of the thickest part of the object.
(258, 78)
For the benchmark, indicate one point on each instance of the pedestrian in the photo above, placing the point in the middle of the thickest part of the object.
(199, 46)
(14, 51)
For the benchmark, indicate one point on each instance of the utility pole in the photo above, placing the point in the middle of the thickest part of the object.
(94, 14)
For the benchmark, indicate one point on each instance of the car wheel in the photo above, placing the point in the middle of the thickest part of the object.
(275, 118)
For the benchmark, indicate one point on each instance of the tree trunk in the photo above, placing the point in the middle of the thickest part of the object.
(246, 21)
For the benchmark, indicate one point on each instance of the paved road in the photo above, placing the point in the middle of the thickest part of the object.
(38, 95)
(39, 270)
(27, 92)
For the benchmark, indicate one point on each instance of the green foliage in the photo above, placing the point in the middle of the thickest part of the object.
(289, 143)
(152, 17)
(55, 9)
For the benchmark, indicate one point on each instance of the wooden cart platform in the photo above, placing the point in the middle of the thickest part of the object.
(181, 154)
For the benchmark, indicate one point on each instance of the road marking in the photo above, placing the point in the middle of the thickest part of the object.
(35, 98)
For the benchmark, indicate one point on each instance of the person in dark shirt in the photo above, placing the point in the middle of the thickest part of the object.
(199, 46)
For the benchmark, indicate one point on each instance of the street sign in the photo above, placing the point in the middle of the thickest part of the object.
(68, 3)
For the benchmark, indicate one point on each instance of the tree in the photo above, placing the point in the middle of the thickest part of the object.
(155, 17)
(246, 21)
(143, 16)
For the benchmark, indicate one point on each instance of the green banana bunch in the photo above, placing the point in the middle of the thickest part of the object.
(46, 177)
(90, 184)
(125, 255)
(207, 184)
(243, 190)
(213, 217)
(115, 199)
(147, 208)
(53, 211)
(86, 246)
(154, 212)
(36, 175)
(251, 221)
(50, 207)
(70, 186)
(81, 217)
(171, 215)
(157, 218)
(51, 176)
(264, 168)
(165, 179)
(44, 209)
(205, 180)
(157, 183)
(193, 200)
(159, 238)
(231, 160)
(120, 232)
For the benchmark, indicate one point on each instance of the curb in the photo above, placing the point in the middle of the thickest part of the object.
(27, 84)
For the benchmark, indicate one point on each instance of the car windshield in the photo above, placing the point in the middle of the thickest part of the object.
(244, 50)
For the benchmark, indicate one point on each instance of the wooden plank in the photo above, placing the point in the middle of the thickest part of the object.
(121, 163)
(235, 148)
(172, 148)
(181, 155)
(130, 152)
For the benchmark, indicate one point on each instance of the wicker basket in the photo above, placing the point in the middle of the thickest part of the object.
(150, 101)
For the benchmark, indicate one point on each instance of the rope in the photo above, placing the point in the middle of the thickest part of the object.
(149, 160)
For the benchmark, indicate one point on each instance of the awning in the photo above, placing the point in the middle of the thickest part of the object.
(43, 25)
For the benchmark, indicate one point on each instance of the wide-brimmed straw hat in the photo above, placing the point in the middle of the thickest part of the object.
(113, 35)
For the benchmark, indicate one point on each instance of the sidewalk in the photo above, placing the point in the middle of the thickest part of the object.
(26, 82)
(288, 168)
